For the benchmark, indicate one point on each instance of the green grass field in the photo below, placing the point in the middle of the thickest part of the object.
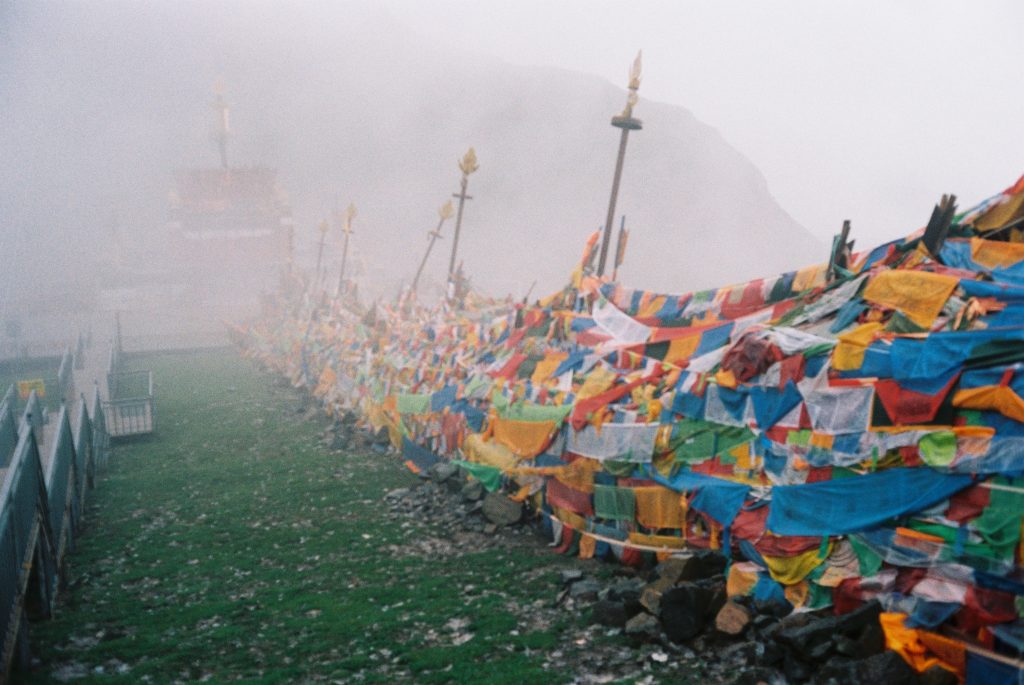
(233, 546)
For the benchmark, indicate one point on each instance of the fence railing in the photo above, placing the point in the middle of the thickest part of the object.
(8, 431)
(10, 399)
(33, 415)
(85, 454)
(62, 490)
(100, 436)
(66, 376)
(27, 564)
(42, 504)
(129, 409)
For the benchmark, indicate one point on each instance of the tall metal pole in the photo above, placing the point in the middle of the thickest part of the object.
(467, 165)
(350, 214)
(444, 213)
(223, 125)
(620, 248)
(320, 253)
(627, 123)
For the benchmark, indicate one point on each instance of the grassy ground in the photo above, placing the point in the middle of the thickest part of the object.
(231, 545)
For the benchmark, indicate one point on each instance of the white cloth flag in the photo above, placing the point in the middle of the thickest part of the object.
(633, 442)
(623, 328)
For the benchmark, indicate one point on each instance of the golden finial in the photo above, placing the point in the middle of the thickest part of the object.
(634, 84)
(635, 71)
(323, 226)
(468, 163)
(446, 211)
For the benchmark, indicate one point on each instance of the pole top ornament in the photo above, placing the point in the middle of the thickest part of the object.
(468, 163)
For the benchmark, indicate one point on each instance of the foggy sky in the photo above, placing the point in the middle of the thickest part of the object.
(866, 110)
(847, 110)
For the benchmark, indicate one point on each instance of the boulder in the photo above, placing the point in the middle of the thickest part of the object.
(807, 640)
(701, 564)
(685, 609)
(501, 510)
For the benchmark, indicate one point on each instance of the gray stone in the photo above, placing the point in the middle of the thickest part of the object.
(643, 626)
(442, 471)
(501, 510)
(609, 613)
(571, 575)
(807, 639)
(585, 590)
(650, 599)
(473, 490)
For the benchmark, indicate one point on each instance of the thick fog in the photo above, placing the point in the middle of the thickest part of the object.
(763, 130)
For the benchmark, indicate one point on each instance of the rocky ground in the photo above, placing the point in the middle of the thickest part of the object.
(670, 621)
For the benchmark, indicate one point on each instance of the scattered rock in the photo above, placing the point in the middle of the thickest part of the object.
(733, 619)
(571, 575)
(795, 669)
(643, 626)
(585, 590)
(472, 491)
(650, 599)
(609, 613)
(888, 668)
(807, 640)
(502, 511)
(442, 471)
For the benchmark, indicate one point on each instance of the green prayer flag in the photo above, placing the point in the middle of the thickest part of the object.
(413, 404)
(489, 476)
(614, 503)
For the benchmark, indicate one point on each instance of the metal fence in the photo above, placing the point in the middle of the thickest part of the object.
(33, 415)
(27, 563)
(100, 436)
(42, 505)
(66, 376)
(129, 409)
(8, 429)
(62, 490)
